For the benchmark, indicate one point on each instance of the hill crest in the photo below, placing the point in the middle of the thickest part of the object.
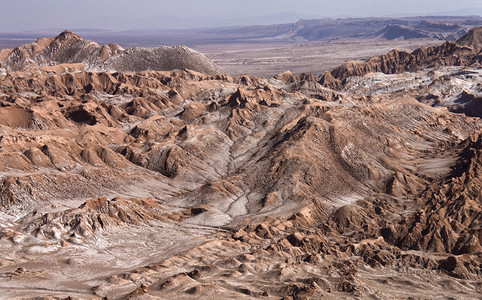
(70, 48)
(472, 39)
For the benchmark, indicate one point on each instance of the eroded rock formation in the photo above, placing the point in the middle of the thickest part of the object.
(179, 184)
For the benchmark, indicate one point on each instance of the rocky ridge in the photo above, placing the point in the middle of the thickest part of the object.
(472, 39)
(441, 28)
(448, 54)
(68, 48)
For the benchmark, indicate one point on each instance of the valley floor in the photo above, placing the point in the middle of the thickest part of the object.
(266, 59)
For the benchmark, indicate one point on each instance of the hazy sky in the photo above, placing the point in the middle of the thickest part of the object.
(130, 14)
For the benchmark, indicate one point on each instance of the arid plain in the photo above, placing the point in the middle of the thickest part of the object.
(266, 59)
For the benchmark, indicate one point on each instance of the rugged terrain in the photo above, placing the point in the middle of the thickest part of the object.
(306, 46)
(69, 48)
(364, 182)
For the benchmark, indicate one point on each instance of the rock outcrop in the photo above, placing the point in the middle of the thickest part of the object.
(392, 32)
(69, 48)
(472, 39)
(464, 52)
(448, 54)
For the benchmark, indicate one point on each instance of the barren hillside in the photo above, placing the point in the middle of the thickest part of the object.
(472, 39)
(79, 54)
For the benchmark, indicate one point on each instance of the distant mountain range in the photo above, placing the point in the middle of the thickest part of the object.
(12, 23)
(472, 11)
(443, 28)
(433, 27)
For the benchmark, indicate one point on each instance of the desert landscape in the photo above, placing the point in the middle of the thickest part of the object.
(292, 169)
(307, 46)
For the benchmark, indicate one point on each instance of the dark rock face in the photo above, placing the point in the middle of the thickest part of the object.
(472, 39)
(392, 32)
